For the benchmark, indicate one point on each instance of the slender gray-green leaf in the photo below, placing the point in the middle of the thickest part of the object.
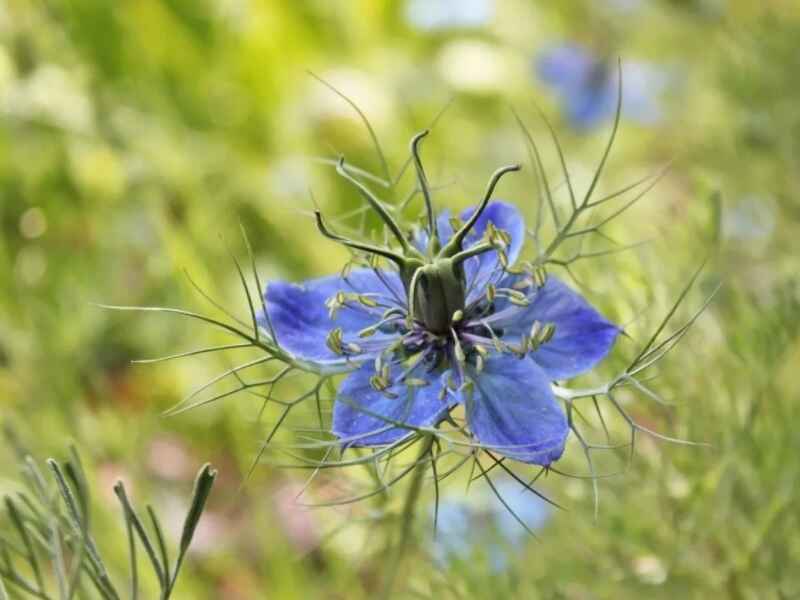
(133, 518)
(19, 525)
(202, 489)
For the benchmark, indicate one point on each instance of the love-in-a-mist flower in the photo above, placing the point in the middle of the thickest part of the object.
(471, 525)
(444, 317)
(586, 84)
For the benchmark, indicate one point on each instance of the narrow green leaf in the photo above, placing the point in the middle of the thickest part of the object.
(202, 489)
(133, 518)
(19, 525)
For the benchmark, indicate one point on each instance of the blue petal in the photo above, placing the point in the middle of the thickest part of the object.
(565, 66)
(587, 87)
(512, 410)
(363, 416)
(301, 321)
(591, 105)
(583, 337)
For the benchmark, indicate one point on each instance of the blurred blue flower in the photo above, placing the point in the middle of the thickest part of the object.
(625, 6)
(469, 525)
(430, 15)
(751, 219)
(473, 333)
(587, 86)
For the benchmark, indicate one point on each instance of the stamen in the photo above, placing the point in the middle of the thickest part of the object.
(498, 344)
(514, 296)
(491, 293)
(416, 382)
(503, 258)
(516, 269)
(524, 344)
(334, 341)
(366, 301)
(334, 304)
(541, 334)
(368, 331)
(392, 317)
(379, 384)
(523, 284)
(547, 334)
(457, 349)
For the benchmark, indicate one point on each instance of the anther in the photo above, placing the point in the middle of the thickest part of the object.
(459, 351)
(491, 293)
(367, 301)
(334, 341)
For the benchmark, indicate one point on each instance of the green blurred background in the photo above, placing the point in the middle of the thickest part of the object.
(136, 136)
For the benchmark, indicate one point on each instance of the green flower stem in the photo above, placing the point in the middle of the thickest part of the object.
(409, 508)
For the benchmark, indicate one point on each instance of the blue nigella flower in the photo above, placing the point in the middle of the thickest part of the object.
(476, 524)
(588, 86)
(431, 15)
(448, 320)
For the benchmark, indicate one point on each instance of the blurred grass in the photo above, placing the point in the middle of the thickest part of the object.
(136, 136)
